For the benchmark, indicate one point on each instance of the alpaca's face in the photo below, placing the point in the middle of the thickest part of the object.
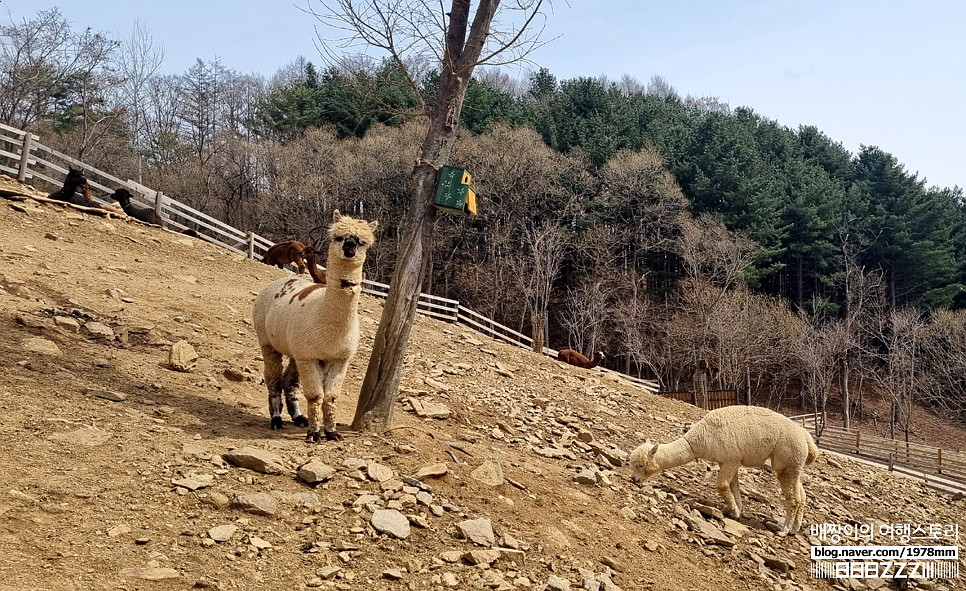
(350, 238)
(75, 177)
(642, 462)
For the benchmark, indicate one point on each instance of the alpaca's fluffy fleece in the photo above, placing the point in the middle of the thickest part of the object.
(316, 327)
(738, 436)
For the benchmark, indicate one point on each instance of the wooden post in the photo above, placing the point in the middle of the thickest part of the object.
(158, 202)
(939, 461)
(892, 458)
(25, 156)
(251, 244)
(858, 441)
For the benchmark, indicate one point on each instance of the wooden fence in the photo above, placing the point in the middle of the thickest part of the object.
(24, 157)
(716, 398)
(888, 452)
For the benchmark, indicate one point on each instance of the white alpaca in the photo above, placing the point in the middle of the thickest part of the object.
(738, 436)
(317, 327)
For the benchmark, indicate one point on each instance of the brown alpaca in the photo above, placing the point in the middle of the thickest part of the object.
(317, 273)
(284, 253)
(574, 358)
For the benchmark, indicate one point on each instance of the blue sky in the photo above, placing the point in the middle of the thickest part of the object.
(873, 72)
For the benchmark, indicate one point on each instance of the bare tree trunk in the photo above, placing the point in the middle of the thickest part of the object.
(381, 383)
(846, 398)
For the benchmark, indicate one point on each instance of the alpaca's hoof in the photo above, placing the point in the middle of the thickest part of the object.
(300, 421)
(333, 435)
(313, 437)
(277, 423)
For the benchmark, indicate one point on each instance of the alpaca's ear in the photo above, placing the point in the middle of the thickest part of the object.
(373, 225)
(336, 216)
(652, 451)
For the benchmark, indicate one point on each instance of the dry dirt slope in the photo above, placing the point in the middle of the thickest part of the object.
(88, 499)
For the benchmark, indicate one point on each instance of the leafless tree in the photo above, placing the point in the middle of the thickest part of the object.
(943, 377)
(900, 333)
(43, 58)
(816, 351)
(416, 35)
(536, 264)
(586, 314)
(137, 62)
(715, 261)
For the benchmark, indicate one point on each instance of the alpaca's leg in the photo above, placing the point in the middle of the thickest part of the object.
(789, 481)
(273, 380)
(300, 264)
(332, 375)
(736, 492)
(310, 374)
(290, 387)
(802, 500)
(727, 473)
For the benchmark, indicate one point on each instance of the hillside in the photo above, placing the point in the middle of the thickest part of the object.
(115, 473)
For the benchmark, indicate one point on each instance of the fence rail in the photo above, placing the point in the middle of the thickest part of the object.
(33, 161)
(716, 398)
(890, 452)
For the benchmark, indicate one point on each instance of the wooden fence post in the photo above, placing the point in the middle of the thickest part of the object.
(858, 441)
(939, 461)
(25, 156)
(158, 202)
(251, 244)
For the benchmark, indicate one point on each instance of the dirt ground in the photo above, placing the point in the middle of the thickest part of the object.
(99, 433)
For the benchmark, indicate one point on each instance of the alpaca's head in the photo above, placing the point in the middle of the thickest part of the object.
(122, 196)
(75, 178)
(643, 464)
(349, 238)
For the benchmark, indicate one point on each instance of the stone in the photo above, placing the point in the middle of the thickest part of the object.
(586, 476)
(315, 471)
(427, 409)
(489, 473)
(327, 572)
(99, 330)
(393, 574)
(119, 530)
(433, 471)
(105, 394)
(193, 482)
(450, 580)
(306, 499)
(256, 503)
(555, 583)
(776, 563)
(182, 356)
(256, 459)
(378, 473)
(259, 543)
(709, 532)
(222, 533)
(39, 345)
(707, 511)
(735, 528)
(234, 375)
(67, 323)
(451, 556)
(486, 557)
(217, 500)
(392, 522)
(614, 564)
(478, 531)
(31, 321)
(149, 573)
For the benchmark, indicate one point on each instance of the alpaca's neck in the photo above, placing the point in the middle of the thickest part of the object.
(343, 286)
(595, 362)
(674, 454)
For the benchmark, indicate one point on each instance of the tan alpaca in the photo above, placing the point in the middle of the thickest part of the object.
(738, 436)
(317, 327)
